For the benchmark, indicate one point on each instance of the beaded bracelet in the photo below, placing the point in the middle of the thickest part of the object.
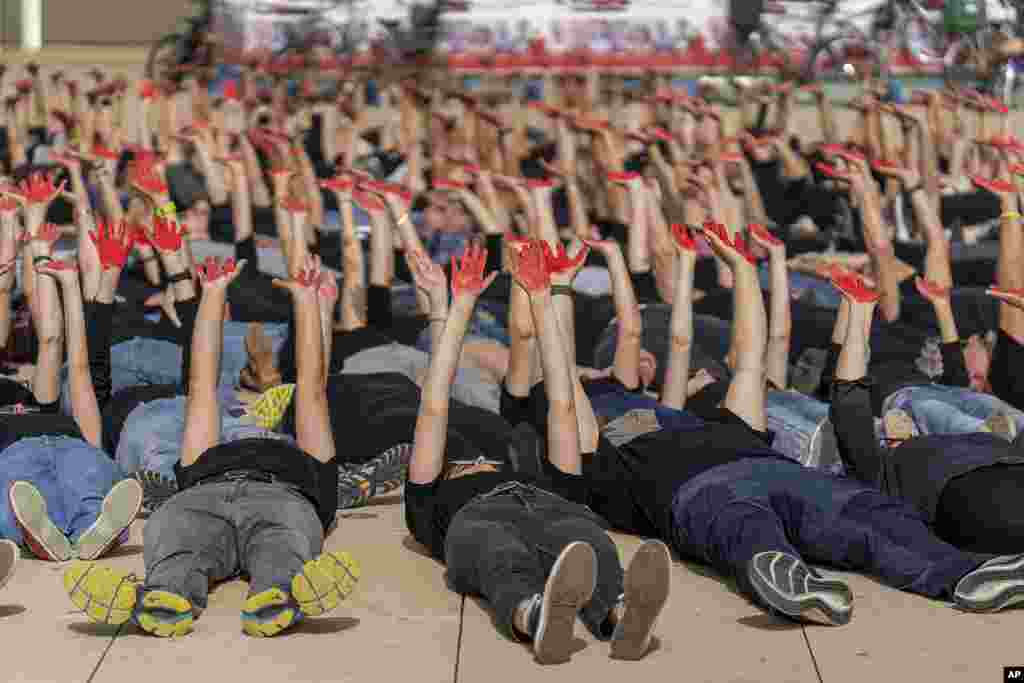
(1012, 215)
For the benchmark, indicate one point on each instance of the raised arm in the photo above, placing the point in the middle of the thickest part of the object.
(780, 323)
(431, 433)
(626, 365)
(202, 412)
(677, 375)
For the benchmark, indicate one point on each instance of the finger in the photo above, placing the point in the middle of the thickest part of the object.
(489, 280)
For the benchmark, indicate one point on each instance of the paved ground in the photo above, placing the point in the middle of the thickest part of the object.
(403, 623)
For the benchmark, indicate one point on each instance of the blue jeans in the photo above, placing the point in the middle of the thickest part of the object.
(802, 430)
(155, 361)
(729, 514)
(938, 409)
(72, 475)
(813, 290)
(152, 435)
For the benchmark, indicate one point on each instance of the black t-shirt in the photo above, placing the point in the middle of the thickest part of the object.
(633, 486)
(14, 427)
(318, 481)
(13, 393)
(429, 508)
(1004, 373)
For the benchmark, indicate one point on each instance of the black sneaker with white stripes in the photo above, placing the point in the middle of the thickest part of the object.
(793, 589)
(995, 585)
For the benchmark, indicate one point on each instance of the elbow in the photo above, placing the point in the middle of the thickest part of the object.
(631, 327)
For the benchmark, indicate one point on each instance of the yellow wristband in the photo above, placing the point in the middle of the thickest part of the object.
(168, 210)
(1011, 214)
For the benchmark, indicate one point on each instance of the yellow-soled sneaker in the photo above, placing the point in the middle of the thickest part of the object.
(325, 582)
(108, 596)
(269, 612)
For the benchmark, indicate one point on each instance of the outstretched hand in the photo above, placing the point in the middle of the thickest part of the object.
(114, 242)
(306, 282)
(216, 274)
(429, 278)
(166, 235)
(468, 280)
(560, 265)
(853, 287)
(529, 268)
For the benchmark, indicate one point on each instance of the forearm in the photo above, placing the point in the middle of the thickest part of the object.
(677, 374)
(638, 254)
(84, 406)
(853, 359)
(382, 261)
(563, 430)
(432, 423)
(577, 211)
(626, 366)
(211, 171)
(205, 347)
(310, 369)
(780, 323)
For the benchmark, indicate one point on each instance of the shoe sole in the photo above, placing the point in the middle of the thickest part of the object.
(268, 613)
(120, 508)
(10, 553)
(813, 607)
(646, 584)
(994, 598)
(325, 582)
(898, 425)
(569, 587)
(29, 509)
(110, 597)
(1002, 426)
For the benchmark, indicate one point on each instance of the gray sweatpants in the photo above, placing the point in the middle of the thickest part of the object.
(213, 532)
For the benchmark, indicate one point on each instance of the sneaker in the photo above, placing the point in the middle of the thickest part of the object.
(354, 489)
(108, 596)
(120, 508)
(156, 490)
(1001, 425)
(790, 587)
(42, 536)
(995, 585)
(646, 586)
(9, 555)
(569, 587)
(387, 472)
(899, 426)
(324, 582)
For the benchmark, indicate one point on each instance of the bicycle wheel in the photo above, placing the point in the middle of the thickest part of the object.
(922, 40)
(842, 57)
(965, 61)
(163, 56)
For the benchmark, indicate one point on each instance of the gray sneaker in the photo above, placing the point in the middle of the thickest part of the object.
(569, 587)
(995, 585)
(793, 589)
(42, 536)
(646, 586)
(120, 508)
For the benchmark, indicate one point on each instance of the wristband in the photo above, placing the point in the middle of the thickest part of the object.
(561, 290)
(168, 210)
(41, 259)
(183, 276)
(1012, 215)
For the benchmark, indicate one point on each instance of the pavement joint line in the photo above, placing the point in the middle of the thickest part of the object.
(810, 651)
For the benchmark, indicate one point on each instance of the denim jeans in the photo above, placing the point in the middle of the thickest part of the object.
(155, 361)
(802, 430)
(72, 475)
(812, 290)
(938, 409)
(152, 435)
(727, 515)
(503, 544)
(212, 532)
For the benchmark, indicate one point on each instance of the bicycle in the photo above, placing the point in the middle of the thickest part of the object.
(302, 29)
(839, 43)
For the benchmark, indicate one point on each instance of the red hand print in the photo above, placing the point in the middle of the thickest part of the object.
(853, 286)
(167, 235)
(530, 267)
(468, 274)
(761, 233)
(39, 189)
(114, 242)
(557, 261)
(684, 237)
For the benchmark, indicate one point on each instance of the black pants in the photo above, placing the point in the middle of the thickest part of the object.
(502, 546)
